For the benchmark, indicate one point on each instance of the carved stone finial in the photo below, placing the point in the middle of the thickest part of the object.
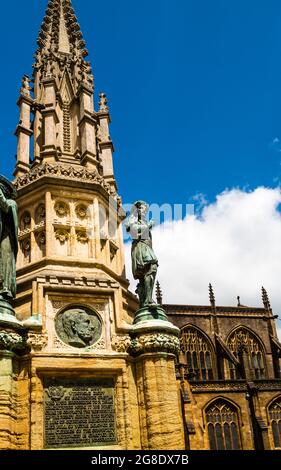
(212, 296)
(265, 299)
(103, 102)
(25, 88)
(61, 46)
(159, 295)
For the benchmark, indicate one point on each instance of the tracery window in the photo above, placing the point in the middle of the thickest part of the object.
(275, 421)
(198, 354)
(223, 426)
(243, 340)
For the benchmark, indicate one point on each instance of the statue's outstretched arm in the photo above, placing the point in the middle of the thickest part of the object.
(4, 205)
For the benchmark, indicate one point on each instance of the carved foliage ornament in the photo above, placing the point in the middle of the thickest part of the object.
(64, 171)
(61, 208)
(82, 236)
(81, 211)
(37, 341)
(155, 342)
(12, 341)
(62, 235)
(121, 344)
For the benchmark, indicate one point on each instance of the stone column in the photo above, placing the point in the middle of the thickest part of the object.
(87, 128)
(155, 344)
(12, 340)
(23, 131)
(105, 143)
(50, 119)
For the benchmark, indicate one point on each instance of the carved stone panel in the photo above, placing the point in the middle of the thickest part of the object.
(79, 412)
(78, 326)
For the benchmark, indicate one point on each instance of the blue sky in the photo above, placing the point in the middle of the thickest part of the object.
(194, 88)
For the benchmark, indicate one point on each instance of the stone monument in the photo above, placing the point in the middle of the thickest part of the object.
(81, 370)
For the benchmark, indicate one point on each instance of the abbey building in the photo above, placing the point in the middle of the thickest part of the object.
(76, 369)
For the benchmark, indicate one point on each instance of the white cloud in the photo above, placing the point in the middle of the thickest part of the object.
(235, 245)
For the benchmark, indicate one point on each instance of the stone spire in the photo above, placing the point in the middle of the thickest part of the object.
(61, 45)
(265, 299)
(66, 129)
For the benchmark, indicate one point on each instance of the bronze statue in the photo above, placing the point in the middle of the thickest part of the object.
(8, 239)
(144, 261)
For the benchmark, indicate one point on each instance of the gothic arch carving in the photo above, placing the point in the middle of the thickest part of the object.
(244, 341)
(199, 353)
(274, 418)
(223, 422)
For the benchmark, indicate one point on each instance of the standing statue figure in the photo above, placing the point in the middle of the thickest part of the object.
(144, 261)
(8, 240)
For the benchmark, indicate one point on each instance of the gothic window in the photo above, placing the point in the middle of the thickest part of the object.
(243, 340)
(198, 354)
(223, 426)
(275, 421)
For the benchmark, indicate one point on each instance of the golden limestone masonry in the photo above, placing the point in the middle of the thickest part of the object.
(81, 365)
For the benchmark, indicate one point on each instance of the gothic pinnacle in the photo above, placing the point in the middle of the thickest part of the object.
(25, 88)
(159, 295)
(103, 102)
(61, 46)
(265, 299)
(212, 296)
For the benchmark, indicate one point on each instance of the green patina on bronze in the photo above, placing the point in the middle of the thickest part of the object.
(78, 326)
(8, 240)
(144, 263)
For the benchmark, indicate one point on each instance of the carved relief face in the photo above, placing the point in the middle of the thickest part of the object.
(78, 326)
(82, 237)
(61, 209)
(81, 211)
(62, 236)
(81, 326)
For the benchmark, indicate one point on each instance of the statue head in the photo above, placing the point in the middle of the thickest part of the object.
(78, 327)
(140, 208)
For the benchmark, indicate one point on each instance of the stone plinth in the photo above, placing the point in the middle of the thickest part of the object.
(8, 317)
(151, 313)
(13, 344)
(155, 344)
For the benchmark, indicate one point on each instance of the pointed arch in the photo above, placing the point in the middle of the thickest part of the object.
(222, 417)
(241, 338)
(274, 418)
(199, 352)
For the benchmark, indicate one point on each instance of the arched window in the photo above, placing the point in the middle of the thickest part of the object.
(275, 421)
(223, 426)
(198, 354)
(243, 340)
